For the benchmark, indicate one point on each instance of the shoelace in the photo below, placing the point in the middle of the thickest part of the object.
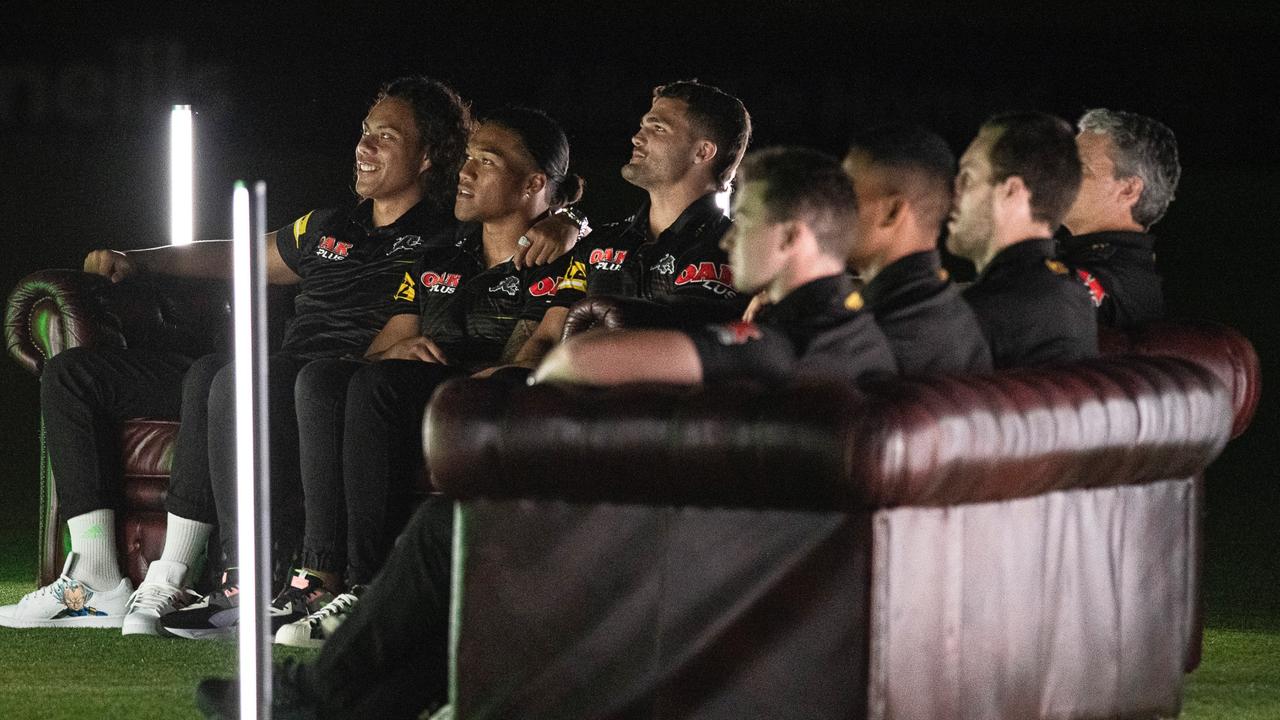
(155, 595)
(63, 579)
(340, 604)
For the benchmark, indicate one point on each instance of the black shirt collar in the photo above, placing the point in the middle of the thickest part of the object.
(1123, 238)
(699, 212)
(901, 272)
(801, 302)
(1020, 253)
(415, 216)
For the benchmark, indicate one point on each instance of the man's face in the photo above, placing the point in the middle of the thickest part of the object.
(663, 148)
(492, 182)
(870, 190)
(971, 225)
(389, 156)
(754, 243)
(1099, 197)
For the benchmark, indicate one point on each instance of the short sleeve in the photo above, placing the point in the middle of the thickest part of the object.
(541, 287)
(741, 349)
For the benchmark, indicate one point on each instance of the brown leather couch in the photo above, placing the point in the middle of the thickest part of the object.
(52, 310)
(1020, 545)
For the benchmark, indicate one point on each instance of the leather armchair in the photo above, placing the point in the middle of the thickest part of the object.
(1024, 544)
(52, 310)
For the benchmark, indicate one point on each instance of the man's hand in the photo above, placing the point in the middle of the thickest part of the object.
(112, 264)
(418, 347)
(758, 303)
(548, 240)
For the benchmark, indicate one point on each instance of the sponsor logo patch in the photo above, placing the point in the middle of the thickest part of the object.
(718, 278)
(607, 258)
(1096, 291)
(406, 290)
(544, 287)
(330, 248)
(575, 278)
(443, 283)
(737, 332)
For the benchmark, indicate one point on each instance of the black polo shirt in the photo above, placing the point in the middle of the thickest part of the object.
(470, 310)
(1031, 308)
(353, 274)
(684, 266)
(1119, 269)
(929, 325)
(817, 332)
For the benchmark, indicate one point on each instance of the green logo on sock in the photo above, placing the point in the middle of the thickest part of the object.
(94, 532)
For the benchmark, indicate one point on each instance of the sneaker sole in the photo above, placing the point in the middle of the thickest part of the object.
(134, 625)
(109, 621)
(290, 640)
(226, 633)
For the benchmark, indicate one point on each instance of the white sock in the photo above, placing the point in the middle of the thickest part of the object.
(93, 540)
(185, 540)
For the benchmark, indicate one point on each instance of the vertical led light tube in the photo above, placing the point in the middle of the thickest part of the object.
(253, 510)
(181, 176)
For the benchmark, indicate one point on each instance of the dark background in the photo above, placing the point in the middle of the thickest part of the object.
(280, 94)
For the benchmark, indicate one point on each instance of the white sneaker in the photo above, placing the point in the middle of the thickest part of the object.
(160, 592)
(312, 630)
(67, 602)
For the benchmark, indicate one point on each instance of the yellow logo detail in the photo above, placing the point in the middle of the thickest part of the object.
(575, 278)
(1056, 267)
(300, 227)
(406, 291)
(943, 275)
(853, 301)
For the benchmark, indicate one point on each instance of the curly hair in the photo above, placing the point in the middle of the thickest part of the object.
(444, 124)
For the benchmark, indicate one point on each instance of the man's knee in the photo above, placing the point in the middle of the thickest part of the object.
(323, 382)
(70, 374)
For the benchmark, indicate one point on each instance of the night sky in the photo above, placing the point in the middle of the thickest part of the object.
(280, 94)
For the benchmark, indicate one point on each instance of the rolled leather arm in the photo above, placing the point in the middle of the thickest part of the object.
(928, 441)
(52, 310)
(1219, 348)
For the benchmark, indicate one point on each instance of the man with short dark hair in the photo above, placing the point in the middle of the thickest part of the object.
(902, 177)
(687, 149)
(1131, 171)
(1016, 181)
(790, 240)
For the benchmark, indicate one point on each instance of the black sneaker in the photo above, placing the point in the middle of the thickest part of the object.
(305, 594)
(212, 617)
(291, 695)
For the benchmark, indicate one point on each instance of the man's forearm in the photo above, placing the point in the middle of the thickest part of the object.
(204, 259)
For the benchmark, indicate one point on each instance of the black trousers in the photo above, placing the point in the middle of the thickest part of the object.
(85, 393)
(286, 485)
(390, 659)
(361, 444)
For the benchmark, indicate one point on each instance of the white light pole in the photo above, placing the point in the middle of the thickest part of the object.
(253, 525)
(181, 176)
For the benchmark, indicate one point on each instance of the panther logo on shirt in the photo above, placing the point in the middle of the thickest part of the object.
(405, 242)
(509, 285)
(666, 265)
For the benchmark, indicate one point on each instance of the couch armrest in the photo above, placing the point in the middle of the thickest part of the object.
(52, 310)
(928, 441)
(615, 313)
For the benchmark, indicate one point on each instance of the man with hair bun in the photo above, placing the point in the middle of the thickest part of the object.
(1017, 180)
(1131, 171)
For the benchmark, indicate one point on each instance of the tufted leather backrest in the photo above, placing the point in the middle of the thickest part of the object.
(928, 441)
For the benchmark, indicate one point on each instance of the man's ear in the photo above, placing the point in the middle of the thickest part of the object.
(704, 152)
(895, 208)
(792, 232)
(1131, 191)
(535, 183)
(426, 164)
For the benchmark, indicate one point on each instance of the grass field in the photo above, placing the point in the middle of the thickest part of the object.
(79, 674)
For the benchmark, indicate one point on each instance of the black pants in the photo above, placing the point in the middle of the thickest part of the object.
(361, 444)
(390, 659)
(85, 393)
(286, 487)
